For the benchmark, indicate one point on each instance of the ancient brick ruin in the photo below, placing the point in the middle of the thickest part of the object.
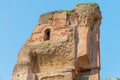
(112, 79)
(62, 47)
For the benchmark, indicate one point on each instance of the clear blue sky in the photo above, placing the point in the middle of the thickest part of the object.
(19, 17)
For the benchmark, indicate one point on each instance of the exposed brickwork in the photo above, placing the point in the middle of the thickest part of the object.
(112, 79)
(62, 47)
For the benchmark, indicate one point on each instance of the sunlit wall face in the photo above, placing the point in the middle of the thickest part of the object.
(17, 18)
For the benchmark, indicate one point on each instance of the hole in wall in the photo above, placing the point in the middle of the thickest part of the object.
(17, 75)
(95, 19)
(47, 34)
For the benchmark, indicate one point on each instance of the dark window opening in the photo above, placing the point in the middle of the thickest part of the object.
(17, 75)
(47, 34)
(95, 19)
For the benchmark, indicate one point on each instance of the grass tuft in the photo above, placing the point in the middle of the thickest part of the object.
(68, 12)
(92, 3)
(78, 4)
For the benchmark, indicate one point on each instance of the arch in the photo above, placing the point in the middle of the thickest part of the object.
(47, 34)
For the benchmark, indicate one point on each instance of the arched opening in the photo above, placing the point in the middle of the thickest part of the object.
(47, 34)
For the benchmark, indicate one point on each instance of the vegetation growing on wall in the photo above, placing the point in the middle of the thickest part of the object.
(49, 43)
(95, 4)
(78, 4)
(68, 12)
(92, 3)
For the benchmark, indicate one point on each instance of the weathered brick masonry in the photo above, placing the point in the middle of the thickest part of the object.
(62, 47)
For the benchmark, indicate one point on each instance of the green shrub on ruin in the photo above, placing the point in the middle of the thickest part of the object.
(68, 12)
(92, 3)
(96, 4)
(49, 43)
(78, 4)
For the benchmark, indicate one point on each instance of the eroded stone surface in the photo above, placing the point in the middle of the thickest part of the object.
(112, 79)
(62, 47)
